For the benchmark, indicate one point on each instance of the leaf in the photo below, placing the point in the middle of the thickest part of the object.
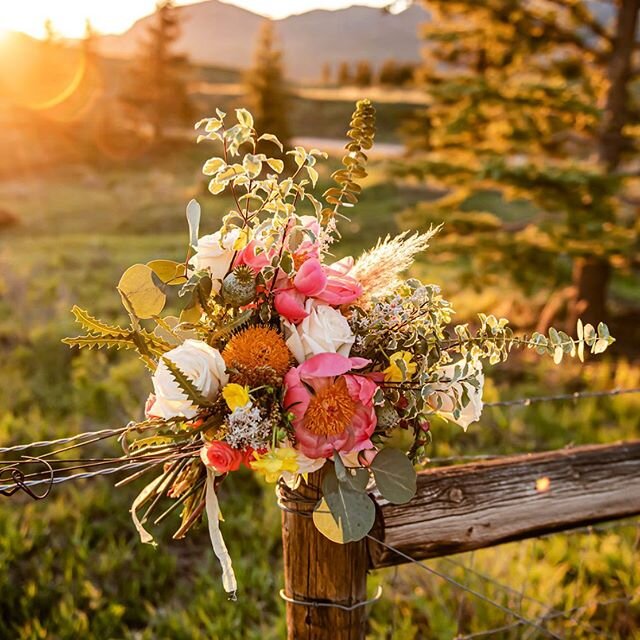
(170, 272)
(101, 342)
(139, 291)
(244, 118)
(357, 479)
(394, 475)
(313, 175)
(93, 325)
(212, 166)
(271, 138)
(343, 515)
(216, 187)
(275, 164)
(186, 384)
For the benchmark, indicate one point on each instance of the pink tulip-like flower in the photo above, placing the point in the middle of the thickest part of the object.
(311, 278)
(332, 408)
(252, 258)
(341, 288)
(290, 305)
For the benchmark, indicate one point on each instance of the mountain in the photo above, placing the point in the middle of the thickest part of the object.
(215, 33)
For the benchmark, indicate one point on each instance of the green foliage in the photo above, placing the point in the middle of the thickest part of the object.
(344, 514)
(362, 131)
(394, 475)
(539, 114)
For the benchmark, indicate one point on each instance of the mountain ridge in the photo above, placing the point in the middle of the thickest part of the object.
(217, 33)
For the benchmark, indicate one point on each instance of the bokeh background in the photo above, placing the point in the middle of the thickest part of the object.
(514, 122)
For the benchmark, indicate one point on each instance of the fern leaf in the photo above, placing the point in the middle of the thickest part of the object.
(186, 384)
(95, 326)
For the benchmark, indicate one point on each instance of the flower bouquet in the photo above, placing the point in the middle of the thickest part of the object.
(282, 359)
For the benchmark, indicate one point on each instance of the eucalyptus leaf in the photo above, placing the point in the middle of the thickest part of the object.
(139, 291)
(394, 475)
(343, 515)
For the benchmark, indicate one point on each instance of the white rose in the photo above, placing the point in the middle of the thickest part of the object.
(215, 253)
(448, 394)
(202, 364)
(324, 330)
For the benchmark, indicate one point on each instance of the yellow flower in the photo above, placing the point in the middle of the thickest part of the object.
(274, 463)
(394, 373)
(236, 396)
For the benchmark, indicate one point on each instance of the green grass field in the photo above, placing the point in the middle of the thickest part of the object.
(72, 564)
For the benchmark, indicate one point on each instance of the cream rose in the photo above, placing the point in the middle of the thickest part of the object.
(324, 330)
(445, 399)
(215, 253)
(202, 364)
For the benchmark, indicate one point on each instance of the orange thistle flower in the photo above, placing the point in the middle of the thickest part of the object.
(256, 356)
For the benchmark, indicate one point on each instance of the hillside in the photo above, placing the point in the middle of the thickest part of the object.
(215, 33)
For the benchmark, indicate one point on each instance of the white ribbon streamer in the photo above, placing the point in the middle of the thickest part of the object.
(217, 541)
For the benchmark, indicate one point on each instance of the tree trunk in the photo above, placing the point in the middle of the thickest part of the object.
(591, 282)
(591, 274)
(318, 570)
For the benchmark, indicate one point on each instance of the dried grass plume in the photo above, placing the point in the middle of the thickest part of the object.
(378, 269)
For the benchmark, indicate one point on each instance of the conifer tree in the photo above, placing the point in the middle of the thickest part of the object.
(267, 93)
(158, 82)
(531, 99)
(363, 74)
(344, 74)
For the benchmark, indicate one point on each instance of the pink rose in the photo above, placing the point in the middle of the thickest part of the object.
(332, 408)
(341, 288)
(290, 305)
(221, 456)
(311, 278)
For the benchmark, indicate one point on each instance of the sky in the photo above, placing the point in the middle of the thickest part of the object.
(115, 16)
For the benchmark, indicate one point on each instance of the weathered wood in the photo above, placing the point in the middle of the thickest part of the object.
(316, 569)
(472, 506)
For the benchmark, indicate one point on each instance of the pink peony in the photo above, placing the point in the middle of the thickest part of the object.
(332, 408)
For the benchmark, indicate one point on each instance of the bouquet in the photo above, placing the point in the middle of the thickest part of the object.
(276, 356)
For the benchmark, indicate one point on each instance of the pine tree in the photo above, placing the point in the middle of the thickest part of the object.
(158, 82)
(344, 74)
(532, 100)
(266, 90)
(363, 75)
(325, 78)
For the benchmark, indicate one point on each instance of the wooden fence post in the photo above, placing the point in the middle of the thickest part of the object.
(318, 570)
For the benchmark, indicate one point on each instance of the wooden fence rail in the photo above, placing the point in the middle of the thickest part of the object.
(473, 506)
(458, 508)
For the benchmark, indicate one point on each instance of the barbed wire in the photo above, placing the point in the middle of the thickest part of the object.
(578, 395)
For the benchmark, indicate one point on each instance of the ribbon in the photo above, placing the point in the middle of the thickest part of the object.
(217, 541)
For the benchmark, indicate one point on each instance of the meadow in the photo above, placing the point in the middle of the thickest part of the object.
(73, 566)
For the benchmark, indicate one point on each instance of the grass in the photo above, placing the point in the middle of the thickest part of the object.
(72, 564)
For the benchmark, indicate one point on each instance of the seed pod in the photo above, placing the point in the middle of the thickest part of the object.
(239, 287)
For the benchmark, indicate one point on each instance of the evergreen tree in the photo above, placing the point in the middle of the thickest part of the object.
(267, 94)
(326, 74)
(344, 74)
(158, 82)
(363, 75)
(531, 99)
